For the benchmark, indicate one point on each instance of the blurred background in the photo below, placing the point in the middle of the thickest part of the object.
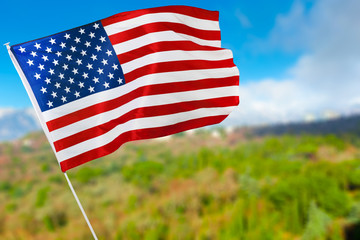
(284, 165)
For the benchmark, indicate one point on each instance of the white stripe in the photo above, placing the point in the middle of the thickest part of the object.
(140, 123)
(145, 101)
(158, 78)
(166, 36)
(177, 55)
(162, 17)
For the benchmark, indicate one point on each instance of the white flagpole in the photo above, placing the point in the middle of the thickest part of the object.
(23, 79)
(80, 206)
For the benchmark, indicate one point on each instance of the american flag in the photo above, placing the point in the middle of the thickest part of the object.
(135, 75)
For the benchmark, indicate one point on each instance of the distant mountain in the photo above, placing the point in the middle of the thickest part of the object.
(15, 123)
(337, 126)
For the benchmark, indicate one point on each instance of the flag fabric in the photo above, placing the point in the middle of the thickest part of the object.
(135, 75)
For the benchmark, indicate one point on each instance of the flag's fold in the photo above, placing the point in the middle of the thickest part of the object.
(136, 75)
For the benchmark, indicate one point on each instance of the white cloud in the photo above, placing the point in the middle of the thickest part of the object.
(285, 34)
(326, 77)
(5, 111)
(270, 101)
(244, 21)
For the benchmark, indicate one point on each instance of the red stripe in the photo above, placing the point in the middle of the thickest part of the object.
(142, 91)
(161, 47)
(177, 66)
(139, 134)
(185, 10)
(163, 26)
(144, 112)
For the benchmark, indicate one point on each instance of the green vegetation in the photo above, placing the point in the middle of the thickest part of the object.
(189, 187)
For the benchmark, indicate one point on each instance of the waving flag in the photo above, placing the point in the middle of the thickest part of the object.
(136, 75)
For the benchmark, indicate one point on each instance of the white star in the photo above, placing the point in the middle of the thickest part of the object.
(63, 99)
(105, 62)
(37, 76)
(56, 62)
(89, 66)
(96, 25)
(34, 54)
(77, 94)
(54, 94)
(87, 44)
(61, 76)
(57, 85)
(102, 39)
(67, 36)
(51, 71)
(77, 40)
(106, 85)
(73, 49)
(108, 52)
(111, 76)
(68, 57)
(41, 67)
(71, 80)
(37, 45)
(96, 80)
(62, 45)
(83, 52)
(115, 66)
(52, 41)
(22, 49)
(75, 71)
(45, 58)
(58, 53)
(120, 81)
(100, 70)
(85, 75)
(67, 89)
(81, 84)
(93, 57)
(65, 67)
(98, 48)
(43, 90)
(30, 62)
(91, 89)
(50, 104)
(81, 31)
(92, 35)
(48, 80)
(48, 50)
(79, 61)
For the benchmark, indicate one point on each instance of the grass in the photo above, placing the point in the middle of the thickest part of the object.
(190, 187)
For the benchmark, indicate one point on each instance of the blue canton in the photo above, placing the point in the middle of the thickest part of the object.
(70, 65)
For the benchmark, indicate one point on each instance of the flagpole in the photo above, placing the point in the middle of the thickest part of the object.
(23, 79)
(80, 206)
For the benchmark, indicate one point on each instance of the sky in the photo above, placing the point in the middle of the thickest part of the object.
(298, 59)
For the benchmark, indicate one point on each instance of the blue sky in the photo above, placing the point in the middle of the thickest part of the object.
(27, 20)
(297, 58)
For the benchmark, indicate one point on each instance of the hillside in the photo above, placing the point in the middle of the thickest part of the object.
(199, 186)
